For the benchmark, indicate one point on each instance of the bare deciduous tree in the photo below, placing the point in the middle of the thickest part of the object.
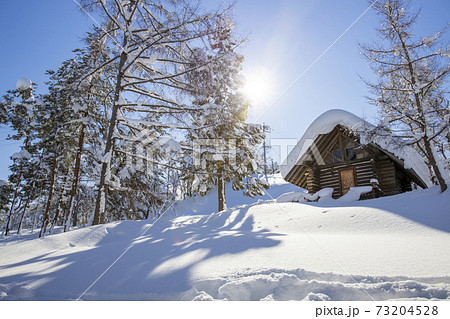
(411, 92)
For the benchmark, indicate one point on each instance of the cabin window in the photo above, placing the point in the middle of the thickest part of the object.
(337, 156)
(361, 155)
(351, 154)
(344, 150)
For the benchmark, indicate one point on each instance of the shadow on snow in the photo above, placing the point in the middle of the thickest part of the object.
(158, 263)
(427, 207)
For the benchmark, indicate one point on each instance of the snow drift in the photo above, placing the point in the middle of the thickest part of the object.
(387, 248)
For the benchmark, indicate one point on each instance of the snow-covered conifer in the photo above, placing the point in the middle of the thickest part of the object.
(223, 147)
(20, 108)
(148, 43)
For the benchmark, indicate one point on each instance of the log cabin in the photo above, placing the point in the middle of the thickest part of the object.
(339, 150)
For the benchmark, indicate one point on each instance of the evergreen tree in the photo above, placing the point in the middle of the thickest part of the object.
(55, 129)
(112, 113)
(5, 198)
(88, 104)
(21, 117)
(5, 192)
(148, 44)
(224, 146)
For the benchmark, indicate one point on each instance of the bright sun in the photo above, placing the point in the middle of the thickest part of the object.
(257, 86)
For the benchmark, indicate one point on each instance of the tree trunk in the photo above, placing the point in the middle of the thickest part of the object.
(16, 191)
(60, 199)
(99, 213)
(76, 174)
(434, 165)
(19, 229)
(36, 211)
(11, 210)
(49, 199)
(221, 187)
(131, 214)
(75, 212)
(55, 218)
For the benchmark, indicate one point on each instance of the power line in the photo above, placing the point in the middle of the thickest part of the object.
(315, 61)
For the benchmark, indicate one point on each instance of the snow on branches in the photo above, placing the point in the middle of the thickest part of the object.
(411, 92)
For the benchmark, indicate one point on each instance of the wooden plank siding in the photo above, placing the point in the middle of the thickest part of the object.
(318, 169)
(313, 180)
(385, 169)
(299, 174)
(329, 175)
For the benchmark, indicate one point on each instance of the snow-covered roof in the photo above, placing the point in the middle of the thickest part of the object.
(327, 121)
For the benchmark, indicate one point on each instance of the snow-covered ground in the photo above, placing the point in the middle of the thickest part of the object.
(389, 248)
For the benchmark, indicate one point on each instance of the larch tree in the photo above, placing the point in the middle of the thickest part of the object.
(412, 93)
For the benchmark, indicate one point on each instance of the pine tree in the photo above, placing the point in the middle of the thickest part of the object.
(89, 104)
(121, 101)
(224, 147)
(21, 117)
(411, 90)
(59, 124)
(58, 121)
(6, 191)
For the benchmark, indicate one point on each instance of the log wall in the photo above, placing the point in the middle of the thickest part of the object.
(385, 172)
(329, 175)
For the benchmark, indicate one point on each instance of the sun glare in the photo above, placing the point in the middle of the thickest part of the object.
(257, 87)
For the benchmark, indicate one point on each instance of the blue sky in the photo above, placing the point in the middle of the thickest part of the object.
(286, 36)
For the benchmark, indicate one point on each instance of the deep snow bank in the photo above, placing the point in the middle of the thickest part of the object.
(208, 204)
(387, 248)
